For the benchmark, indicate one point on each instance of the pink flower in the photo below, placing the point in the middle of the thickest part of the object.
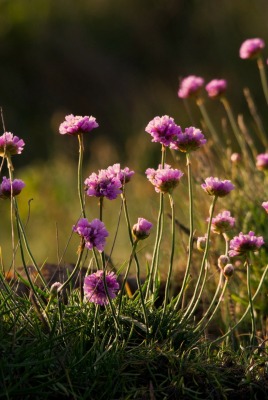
(10, 144)
(94, 233)
(5, 188)
(103, 184)
(251, 48)
(262, 161)
(190, 86)
(223, 222)
(163, 130)
(164, 179)
(190, 140)
(265, 206)
(216, 88)
(94, 288)
(243, 244)
(141, 230)
(216, 187)
(73, 125)
(236, 158)
(124, 175)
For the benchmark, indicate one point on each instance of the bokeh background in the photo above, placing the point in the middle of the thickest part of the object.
(120, 61)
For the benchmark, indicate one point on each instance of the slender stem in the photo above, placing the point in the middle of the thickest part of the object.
(141, 295)
(263, 77)
(80, 181)
(10, 170)
(253, 324)
(101, 217)
(201, 104)
(77, 265)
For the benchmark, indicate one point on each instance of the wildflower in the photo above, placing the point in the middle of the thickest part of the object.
(189, 140)
(73, 125)
(103, 184)
(124, 175)
(223, 260)
(163, 130)
(190, 86)
(235, 158)
(216, 88)
(223, 222)
(262, 161)
(216, 187)
(94, 288)
(228, 270)
(10, 144)
(164, 179)
(8, 189)
(243, 244)
(141, 230)
(93, 233)
(265, 206)
(251, 48)
(201, 243)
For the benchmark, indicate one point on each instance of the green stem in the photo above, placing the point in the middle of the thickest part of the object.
(126, 275)
(80, 181)
(101, 217)
(77, 265)
(201, 104)
(253, 324)
(263, 77)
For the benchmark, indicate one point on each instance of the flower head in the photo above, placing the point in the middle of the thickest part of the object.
(124, 175)
(141, 230)
(228, 270)
(163, 130)
(216, 88)
(94, 288)
(94, 233)
(73, 125)
(8, 189)
(103, 184)
(190, 86)
(216, 187)
(164, 179)
(223, 260)
(223, 222)
(201, 243)
(265, 206)
(262, 161)
(189, 140)
(243, 244)
(251, 48)
(10, 144)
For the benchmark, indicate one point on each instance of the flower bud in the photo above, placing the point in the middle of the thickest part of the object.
(228, 270)
(223, 260)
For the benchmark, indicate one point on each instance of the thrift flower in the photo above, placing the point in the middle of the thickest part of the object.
(93, 233)
(216, 88)
(94, 288)
(223, 260)
(251, 48)
(190, 86)
(216, 187)
(242, 244)
(124, 175)
(163, 130)
(164, 179)
(141, 230)
(103, 184)
(223, 222)
(228, 270)
(73, 125)
(10, 144)
(190, 140)
(262, 161)
(265, 206)
(7, 189)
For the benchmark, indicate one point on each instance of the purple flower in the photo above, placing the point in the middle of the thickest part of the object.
(141, 230)
(103, 184)
(124, 175)
(216, 88)
(10, 144)
(243, 244)
(223, 222)
(190, 86)
(216, 187)
(73, 125)
(164, 179)
(262, 161)
(251, 48)
(189, 140)
(94, 288)
(7, 190)
(94, 233)
(265, 206)
(163, 130)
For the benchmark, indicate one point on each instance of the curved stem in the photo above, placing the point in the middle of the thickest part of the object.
(77, 265)
(80, 182)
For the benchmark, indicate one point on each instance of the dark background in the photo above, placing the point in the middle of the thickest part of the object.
(118, 60)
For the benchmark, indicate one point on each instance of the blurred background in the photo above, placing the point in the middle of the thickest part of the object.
(120, 61)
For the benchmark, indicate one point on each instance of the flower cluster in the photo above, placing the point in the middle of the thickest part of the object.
(94, 287)
(8, 188)
(216, 88)
(164, 179)
(222, 223)
(216, 187)
(190, 86)
(10, 144)
(124, 175)
(73, 125)
(103, 184)
(163, 130)
(251, 48)
(190, 140)
(141, 230)
(93, 233)
(242, 244)
(262, 161)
